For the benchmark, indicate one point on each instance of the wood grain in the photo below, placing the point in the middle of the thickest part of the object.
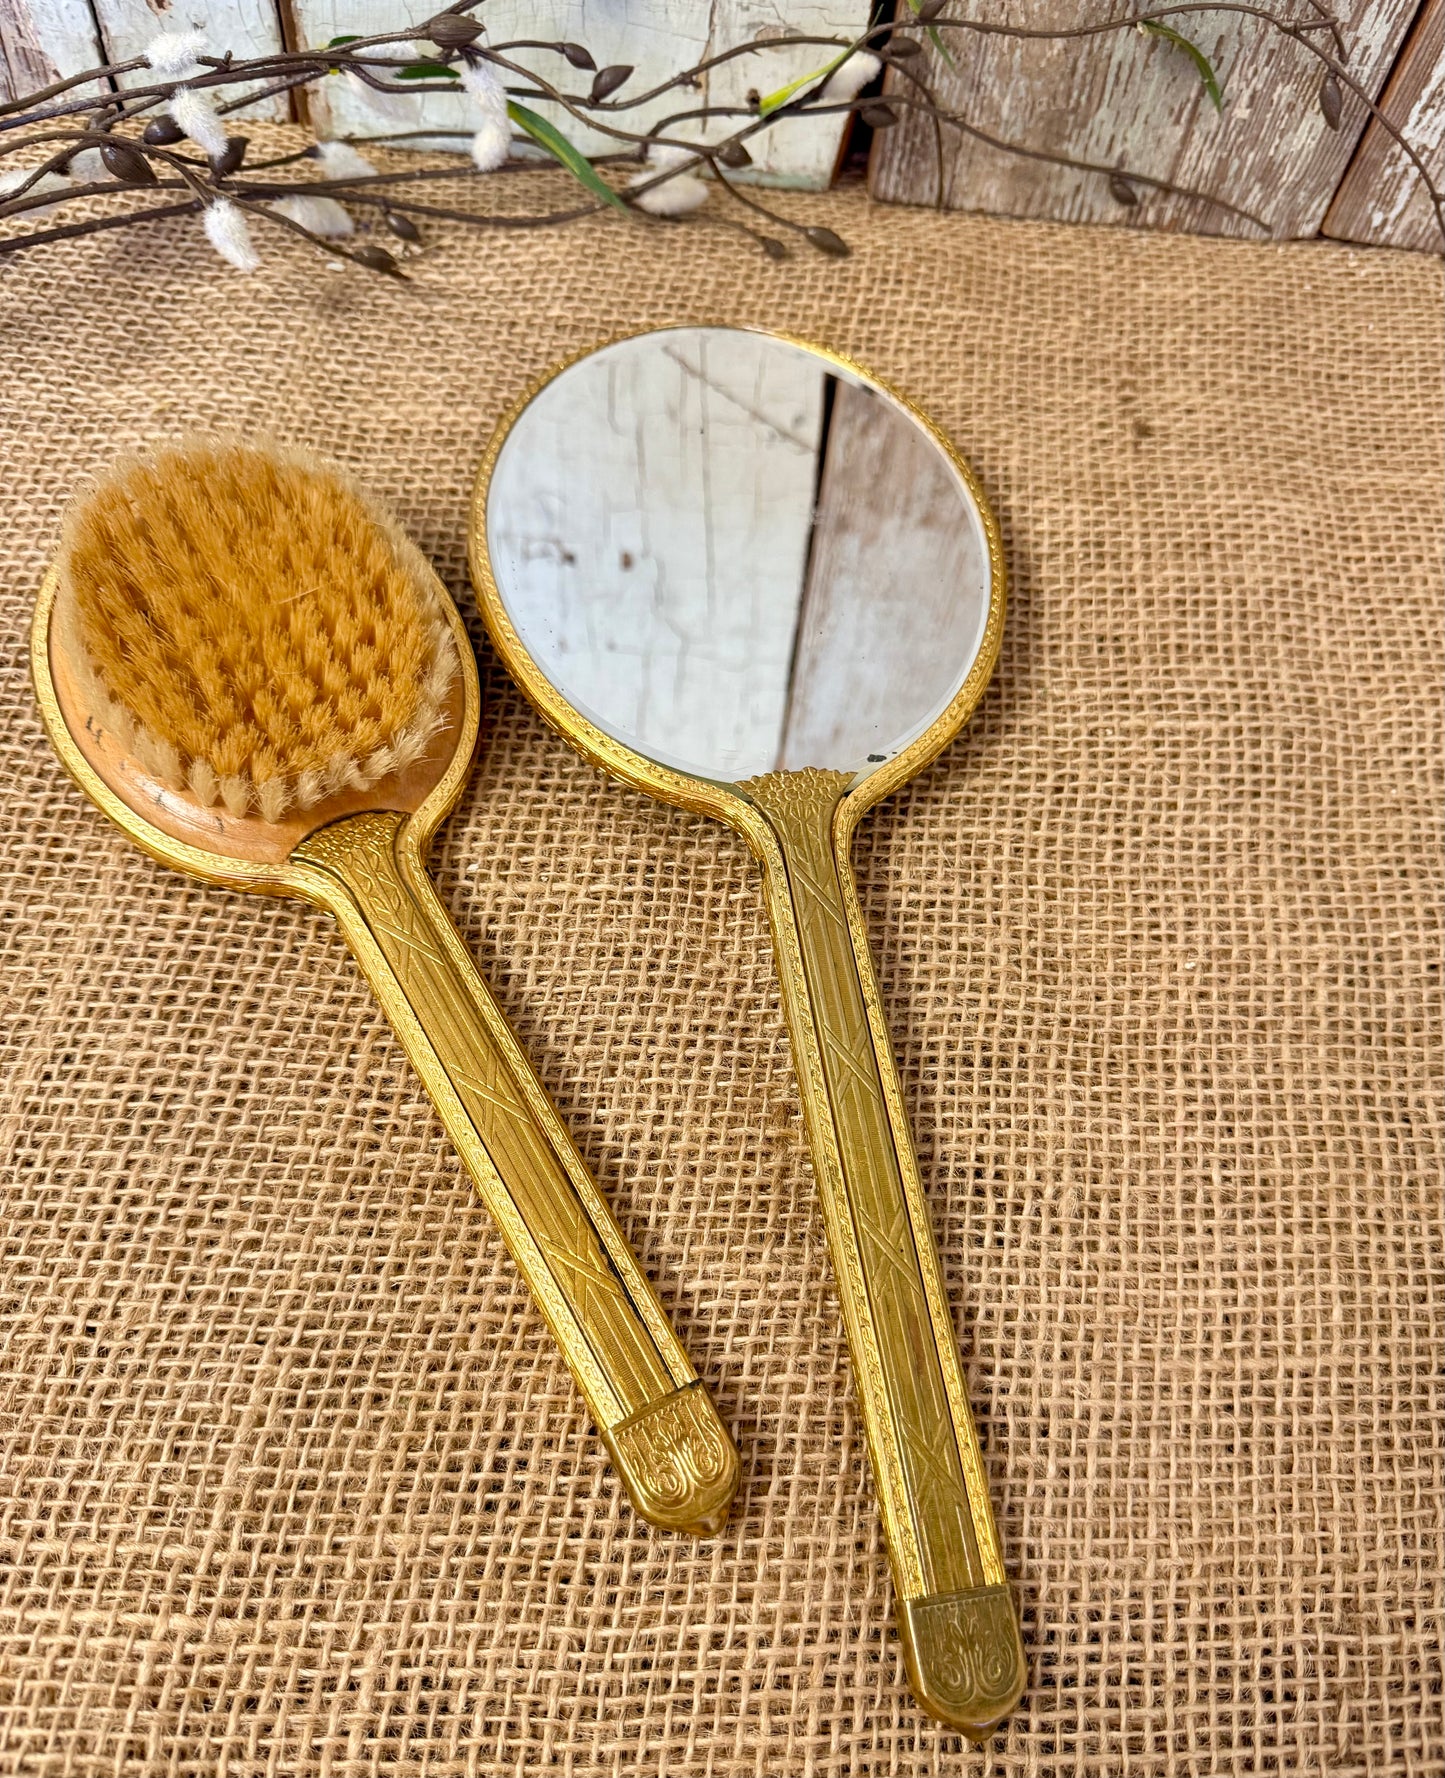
(42, 41)
(896, 593)
(249, 27)
(1382, 200)
(1138, 101)
(658, 38)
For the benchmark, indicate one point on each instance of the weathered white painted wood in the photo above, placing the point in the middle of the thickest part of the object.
(897, 591)
(249, 27)
(341, 107)
(1382, 200)
(656, 37)
(794, 151)
(1139, 100)
(42, 41)
(699, 471)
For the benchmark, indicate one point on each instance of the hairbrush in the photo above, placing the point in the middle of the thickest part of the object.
(247, 665)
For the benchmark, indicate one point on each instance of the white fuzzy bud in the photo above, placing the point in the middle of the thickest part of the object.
(339, 160)
(479, 80)
(228, 232)
(196, 115)
(321, 215)
(175, 52)
(393, 107)
(678, 196)
(11, 182)
(492, 144)
(87, 168)
(847, 81)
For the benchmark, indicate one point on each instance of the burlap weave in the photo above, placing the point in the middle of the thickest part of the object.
(294, 1484)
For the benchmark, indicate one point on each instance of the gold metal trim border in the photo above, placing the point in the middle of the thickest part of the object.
(706, 796)
(293, 877)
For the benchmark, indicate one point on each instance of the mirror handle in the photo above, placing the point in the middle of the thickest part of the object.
(956, 1617)
(657, 1420)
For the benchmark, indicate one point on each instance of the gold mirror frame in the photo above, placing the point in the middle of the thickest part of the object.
(958, 1623)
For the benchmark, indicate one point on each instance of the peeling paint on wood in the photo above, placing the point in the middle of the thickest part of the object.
(657, 39)
(1139, 101)
(1382, 200)
(249, 27)
(42, 41)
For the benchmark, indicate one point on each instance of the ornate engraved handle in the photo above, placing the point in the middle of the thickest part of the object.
(659, 1423)
(957, 1621)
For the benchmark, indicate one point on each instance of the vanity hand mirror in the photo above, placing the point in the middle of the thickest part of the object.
(742, 575)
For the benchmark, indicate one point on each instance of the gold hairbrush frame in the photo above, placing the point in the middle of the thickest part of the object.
(957, 1619)
(361, 857)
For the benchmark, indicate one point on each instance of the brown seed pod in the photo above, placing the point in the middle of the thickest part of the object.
(1332, 100)
(878, 115)
(577, 56)
(226, 164)
(609, 79)
(733, 154)
(1122, 191)
(162, 132)
(401, 226)
(376, 259)
(453, 30)
(124, 161)
(827, 242)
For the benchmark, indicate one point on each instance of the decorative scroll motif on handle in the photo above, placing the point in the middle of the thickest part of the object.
(964, 1657)
(680, 1467)
(906, 1380)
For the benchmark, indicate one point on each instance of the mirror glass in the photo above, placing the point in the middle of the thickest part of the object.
(735, 557)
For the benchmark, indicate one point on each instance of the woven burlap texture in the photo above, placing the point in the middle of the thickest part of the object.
(294, 1482)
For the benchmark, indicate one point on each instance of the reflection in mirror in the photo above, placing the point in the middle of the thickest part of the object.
(735, 556)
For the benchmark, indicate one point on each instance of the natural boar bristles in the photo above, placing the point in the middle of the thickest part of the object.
(251, 628)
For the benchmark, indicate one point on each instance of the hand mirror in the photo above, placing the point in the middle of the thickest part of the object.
(745, 576)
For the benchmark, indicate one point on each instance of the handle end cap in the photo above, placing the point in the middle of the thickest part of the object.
(965, 1657)
(678, 1463)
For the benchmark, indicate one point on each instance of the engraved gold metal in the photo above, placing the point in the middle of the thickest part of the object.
(675, 1457)
(957, 1620)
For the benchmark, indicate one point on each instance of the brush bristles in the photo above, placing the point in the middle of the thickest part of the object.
(251, 628)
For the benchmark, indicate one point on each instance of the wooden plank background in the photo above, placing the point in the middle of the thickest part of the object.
(1381, 200)
(1113, 99)
(44, 40)
(1139, 101)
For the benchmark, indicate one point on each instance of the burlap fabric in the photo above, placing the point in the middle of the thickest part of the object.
(293, 1481)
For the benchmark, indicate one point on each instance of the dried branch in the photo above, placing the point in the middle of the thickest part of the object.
(139, 131)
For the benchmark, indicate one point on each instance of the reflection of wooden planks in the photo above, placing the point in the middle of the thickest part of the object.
(896, 587)
(1382, 200)
(651, 526)
(1122, 98)
(42, 41)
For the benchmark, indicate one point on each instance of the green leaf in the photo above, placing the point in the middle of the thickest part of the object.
(767, 106)
(427, 71)
(936, 40)
(548, 136)
(1195, 54)
(352, 37)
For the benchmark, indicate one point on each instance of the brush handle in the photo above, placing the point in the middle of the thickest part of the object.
(659, 1423)
(956, 1615)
